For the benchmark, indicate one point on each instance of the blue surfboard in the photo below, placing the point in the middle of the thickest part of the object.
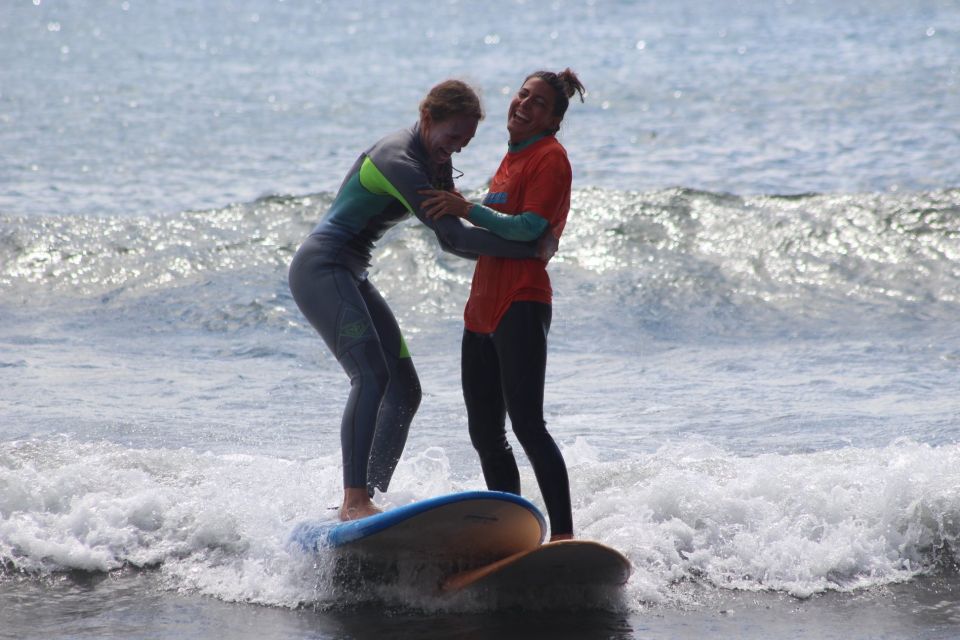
(469, 528)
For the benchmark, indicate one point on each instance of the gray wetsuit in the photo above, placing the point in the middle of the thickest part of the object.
(328, 279)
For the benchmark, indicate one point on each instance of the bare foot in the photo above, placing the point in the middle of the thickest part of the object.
(357, 504)
(561, 536)
(355, 513)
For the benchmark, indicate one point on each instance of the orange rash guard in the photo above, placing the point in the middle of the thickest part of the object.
(533, 177)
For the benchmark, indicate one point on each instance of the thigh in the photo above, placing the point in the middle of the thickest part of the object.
(384, 322)
(521, 346)
(330, 298)
(480, 377)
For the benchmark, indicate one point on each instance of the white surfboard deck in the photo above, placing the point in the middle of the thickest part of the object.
(567, 563)
(469, 527)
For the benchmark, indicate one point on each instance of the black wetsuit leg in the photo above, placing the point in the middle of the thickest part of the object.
(505, 372)
(362, 333)
(486, 412)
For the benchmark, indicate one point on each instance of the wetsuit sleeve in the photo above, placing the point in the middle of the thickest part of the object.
(470, 242)
(523, 226)
(454, 237)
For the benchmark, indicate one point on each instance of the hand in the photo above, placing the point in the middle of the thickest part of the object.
(547, 246)
(445, 203)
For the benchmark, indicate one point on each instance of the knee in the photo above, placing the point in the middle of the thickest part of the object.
(370, 384)
(406, 397)
(372, 378)
(405, 386)
(414, 393)
(488, 439)
(414, 396)
(530, 432)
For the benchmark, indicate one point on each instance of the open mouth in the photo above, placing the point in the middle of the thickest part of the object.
(519, 117)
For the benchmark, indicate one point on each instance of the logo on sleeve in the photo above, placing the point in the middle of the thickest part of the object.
(495, 197)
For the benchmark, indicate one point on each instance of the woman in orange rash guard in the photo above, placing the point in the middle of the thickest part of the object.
(504, 348)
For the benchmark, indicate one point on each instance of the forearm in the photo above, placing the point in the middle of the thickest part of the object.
(525, 226)
(467, 241)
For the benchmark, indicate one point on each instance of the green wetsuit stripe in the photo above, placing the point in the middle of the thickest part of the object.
(355, 204)
(375, 182)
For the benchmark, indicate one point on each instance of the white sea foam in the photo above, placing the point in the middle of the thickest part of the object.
(800, 524)
(688, 514)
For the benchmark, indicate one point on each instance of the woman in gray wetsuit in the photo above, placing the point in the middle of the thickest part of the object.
(328, 279)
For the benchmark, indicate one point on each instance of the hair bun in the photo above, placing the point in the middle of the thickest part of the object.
(571, 83)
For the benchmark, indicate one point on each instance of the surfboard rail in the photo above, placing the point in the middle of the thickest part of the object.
(482, 524)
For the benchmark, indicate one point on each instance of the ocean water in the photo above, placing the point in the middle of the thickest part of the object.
(754, 359)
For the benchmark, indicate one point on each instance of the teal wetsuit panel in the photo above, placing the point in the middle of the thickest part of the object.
(355, 205)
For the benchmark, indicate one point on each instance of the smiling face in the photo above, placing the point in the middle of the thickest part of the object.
(445, 138)
(531, 111)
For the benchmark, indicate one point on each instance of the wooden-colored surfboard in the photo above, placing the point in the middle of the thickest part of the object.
(563, 563)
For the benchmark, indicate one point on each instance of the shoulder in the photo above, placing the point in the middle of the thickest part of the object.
(550, 154)
(400, 144)
(554, 149)
(401, 158)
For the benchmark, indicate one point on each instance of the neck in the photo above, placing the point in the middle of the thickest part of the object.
(523, 144)
(419, 131)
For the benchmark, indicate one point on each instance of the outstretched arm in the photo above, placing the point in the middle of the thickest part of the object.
(409, 185)
(526, 227)
(523, 226)
(470, 242)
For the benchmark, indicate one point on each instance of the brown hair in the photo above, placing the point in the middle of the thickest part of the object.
(566, 84)
(451, 98)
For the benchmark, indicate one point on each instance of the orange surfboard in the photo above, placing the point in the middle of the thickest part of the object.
(569, 563)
